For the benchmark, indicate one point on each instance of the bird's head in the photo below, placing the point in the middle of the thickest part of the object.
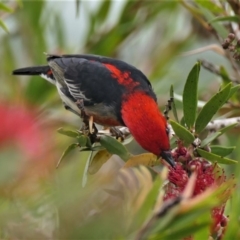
(141, 115)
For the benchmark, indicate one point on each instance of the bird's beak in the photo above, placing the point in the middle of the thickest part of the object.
(167, 156)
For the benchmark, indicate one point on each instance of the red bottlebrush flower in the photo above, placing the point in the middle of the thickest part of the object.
(18, 127)
(208, 175)
(181, 154)
(178, 179)
(204, 180)
(178, 176)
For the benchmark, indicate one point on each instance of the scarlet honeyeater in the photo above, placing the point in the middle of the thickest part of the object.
(113, 92)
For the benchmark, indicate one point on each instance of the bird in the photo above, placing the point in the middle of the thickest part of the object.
(112, 93)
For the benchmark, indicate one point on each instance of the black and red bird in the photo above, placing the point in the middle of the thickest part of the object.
(112, 92)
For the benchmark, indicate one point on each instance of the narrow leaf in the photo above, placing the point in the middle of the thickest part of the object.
(221, 151)
(3, 26)
(225, 129)
(209, 15)
(103, 11)
(173, 104)
(5, 8)
(234, 90)
(146, 159)
(211, 108)
(85, 173)
(190, 96)
(66, 152)
(68, 133)
(182, 132)
(97, 148)
(210, 5)
(224, 75)
(189, 229)
(234, 18)
(210, 138)
(98, 160)
(114, 147)
(148, 203)
(215, 158)
(82, 140)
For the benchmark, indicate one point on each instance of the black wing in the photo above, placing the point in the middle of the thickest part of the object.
(94, 61)
(90, 81)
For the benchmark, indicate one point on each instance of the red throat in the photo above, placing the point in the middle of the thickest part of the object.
(141, 115)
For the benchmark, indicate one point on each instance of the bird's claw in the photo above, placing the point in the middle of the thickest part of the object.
(117, 133)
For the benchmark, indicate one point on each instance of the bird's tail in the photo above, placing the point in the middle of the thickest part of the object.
(43, 71)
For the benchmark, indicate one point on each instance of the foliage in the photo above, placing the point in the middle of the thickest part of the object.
(120, 200)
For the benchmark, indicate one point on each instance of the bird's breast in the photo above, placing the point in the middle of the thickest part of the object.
(103, 115)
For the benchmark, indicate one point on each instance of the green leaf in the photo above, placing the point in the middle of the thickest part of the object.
(145, 159)
(189, 229)
(85, 173)
(224, 75)
(82, 140)
(98, 160)
(148, 203)
(210, 138)
(5, 8)
(3, 26)
(114, 147)
(211, 108)
(190, 96)
(225, 129)
(66, 152)
(173, 104)
(210, 5)
(234, 90)
(208, 14)
(234, 18)
(221, 151)
(182, 132)
(215, 158)
(97, 148)
(182, 121)
(68, 133)
(103, 11)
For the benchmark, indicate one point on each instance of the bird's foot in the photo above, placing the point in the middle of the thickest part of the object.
(89, 128)
(117, 133)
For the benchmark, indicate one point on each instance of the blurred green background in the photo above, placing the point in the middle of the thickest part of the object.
(38, 200)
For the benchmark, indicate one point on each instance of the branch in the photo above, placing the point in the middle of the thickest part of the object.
(217, 124)
(216, 70)
(213, 126)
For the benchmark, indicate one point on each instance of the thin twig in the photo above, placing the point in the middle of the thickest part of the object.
(221, 123)
(215, 69)
(212, 126)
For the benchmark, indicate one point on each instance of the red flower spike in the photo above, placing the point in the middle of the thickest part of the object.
(178, 176)
(207, 175)
(195, 165)
(180, 154)
(18, 126)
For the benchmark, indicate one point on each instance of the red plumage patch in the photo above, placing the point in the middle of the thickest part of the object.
(141, 115)
(123, 78)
